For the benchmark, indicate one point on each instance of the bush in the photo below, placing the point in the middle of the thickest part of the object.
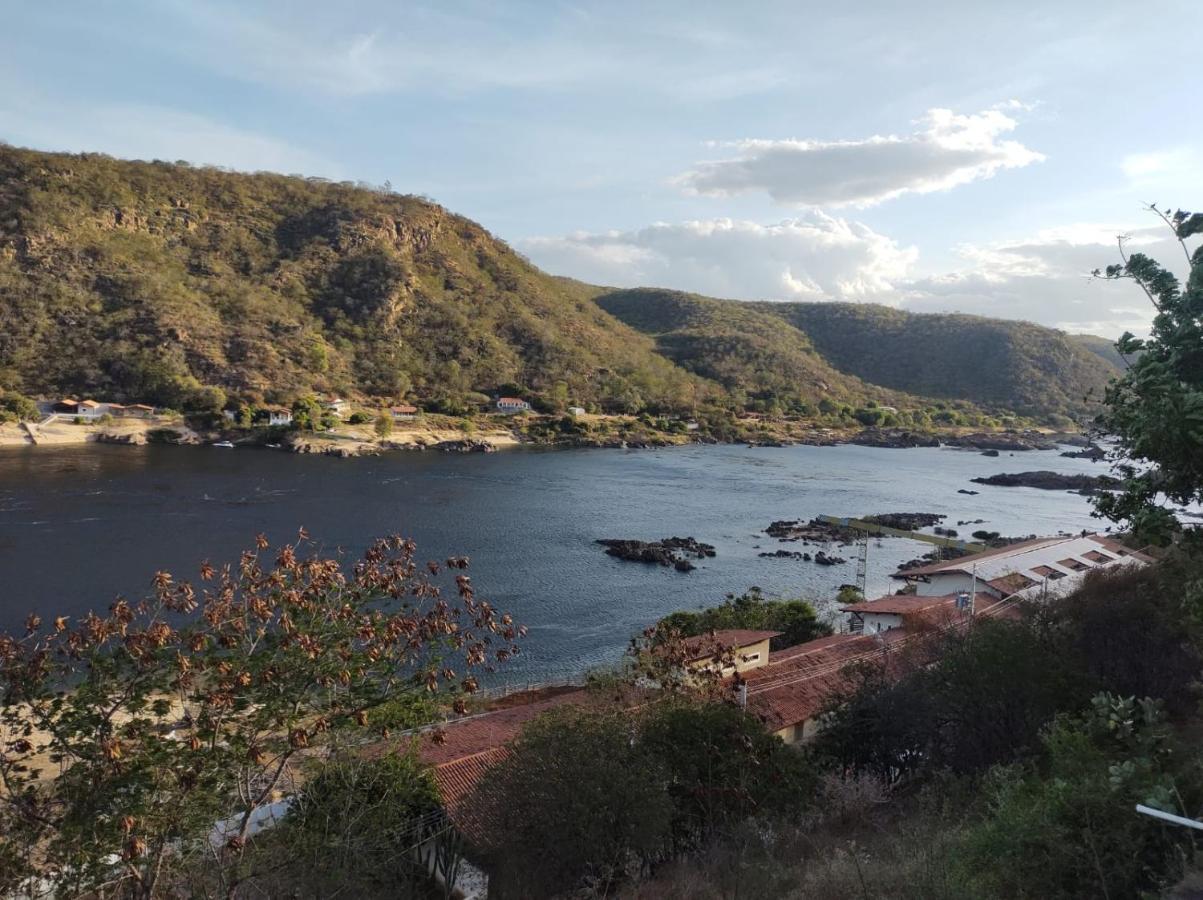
(795, 619)
(359, 418)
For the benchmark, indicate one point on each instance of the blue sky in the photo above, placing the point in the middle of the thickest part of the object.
(935, 156)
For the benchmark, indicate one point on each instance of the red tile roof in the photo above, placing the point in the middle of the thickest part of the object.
(790, 692)
(900, 604)
(405, 410)
(487, 731)
(510, 400)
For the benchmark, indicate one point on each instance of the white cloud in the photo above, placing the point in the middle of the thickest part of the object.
(816, 257)
(1178, 170)
(948, 150)
(1046, 279)
(150, 132)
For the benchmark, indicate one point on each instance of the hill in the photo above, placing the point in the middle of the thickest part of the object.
(182, 285)
(1101, 347)
(159, 282)
(995, 363)
(751, 353)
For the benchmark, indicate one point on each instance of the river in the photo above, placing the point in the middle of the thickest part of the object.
(80, 525)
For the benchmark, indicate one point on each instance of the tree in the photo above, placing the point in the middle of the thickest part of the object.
(1066, 827)
(166, 716)
(354, 824)
(723, 767)
(577, 798)
(1155, 409)
(795, 619)
(384, 425)
(307, 413)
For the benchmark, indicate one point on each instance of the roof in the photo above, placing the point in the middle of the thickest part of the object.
(91, 404)
(958, 564)
(405, 410)
(1070, 553)
(703, 644)
(899, 604)
(510, 400)
(474, 734)
(789, 691)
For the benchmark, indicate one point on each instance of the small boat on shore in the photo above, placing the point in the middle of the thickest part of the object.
(229, 445)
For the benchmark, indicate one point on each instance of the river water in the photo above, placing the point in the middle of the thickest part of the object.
(80, 525)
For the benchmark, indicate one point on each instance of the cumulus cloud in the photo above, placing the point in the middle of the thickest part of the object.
(1046, 279)
(947, 150)
(816, 257)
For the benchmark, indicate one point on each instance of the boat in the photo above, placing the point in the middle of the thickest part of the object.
(273, 446)
(229, 445)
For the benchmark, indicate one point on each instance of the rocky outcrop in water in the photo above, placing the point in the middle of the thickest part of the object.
(1052, 481)
(906, 521)
(1007, 440)
(673, 551)
(466, 445)
(1092, 452)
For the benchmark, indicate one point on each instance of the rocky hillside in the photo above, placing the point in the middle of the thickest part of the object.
(992, 362)
(751, 353)
(157, 281)
(182, 285)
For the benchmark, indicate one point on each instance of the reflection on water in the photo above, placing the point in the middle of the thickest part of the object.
(79, 526)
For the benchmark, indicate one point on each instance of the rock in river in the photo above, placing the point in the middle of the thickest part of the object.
(673, 551)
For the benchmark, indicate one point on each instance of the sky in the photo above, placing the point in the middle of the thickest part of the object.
(970, 157)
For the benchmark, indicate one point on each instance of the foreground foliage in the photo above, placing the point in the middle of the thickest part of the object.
(1156, 409)
(146, 742)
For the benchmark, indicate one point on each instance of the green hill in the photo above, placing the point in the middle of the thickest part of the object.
(177, 284)
(150, 280)
(995, 363)
(751, 353)
(1101, 347)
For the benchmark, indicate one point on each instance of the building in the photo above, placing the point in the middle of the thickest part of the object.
(576, 410)
(82, 409)
(403, 413)
(512, 405)
(1038, 567)
(278, 415)
(132, 411)
(743, 648)
(337, 406)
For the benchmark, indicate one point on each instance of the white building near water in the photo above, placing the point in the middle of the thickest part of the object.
(1035, 569)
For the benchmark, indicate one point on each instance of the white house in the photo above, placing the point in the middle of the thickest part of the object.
(512, 405)
(403, 413)
(337, 406)
(576, 410)
(278, 415)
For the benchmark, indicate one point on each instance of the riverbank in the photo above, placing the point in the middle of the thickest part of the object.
(488, 433)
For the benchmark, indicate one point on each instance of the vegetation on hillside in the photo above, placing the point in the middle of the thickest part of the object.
(153, 281)
(795, 619)
(995, 363)
(187, 287)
